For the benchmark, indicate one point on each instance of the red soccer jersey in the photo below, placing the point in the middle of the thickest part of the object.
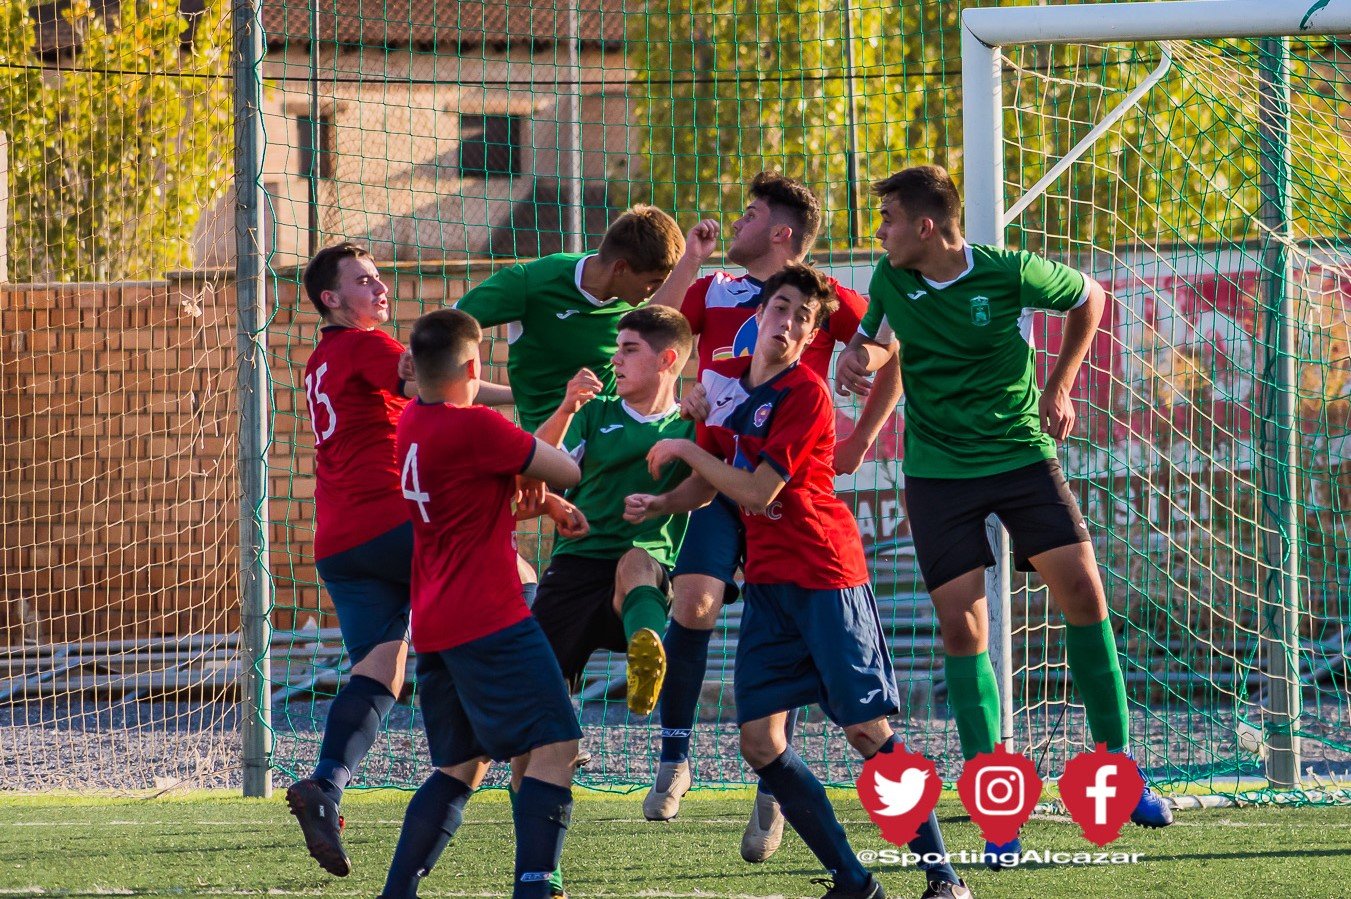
(807, 536)
(721, 310)
(458, 478)
(354, 395)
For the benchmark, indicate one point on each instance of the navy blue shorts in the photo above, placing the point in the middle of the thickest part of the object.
(715, 544)
(800, 646)
(501, 696)
(369, 588)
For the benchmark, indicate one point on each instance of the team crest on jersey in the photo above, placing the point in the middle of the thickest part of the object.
(762, 415)
(980, 311)
(743, 344)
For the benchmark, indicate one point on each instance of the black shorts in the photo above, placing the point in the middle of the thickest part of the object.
(947, 518)
(575, 609)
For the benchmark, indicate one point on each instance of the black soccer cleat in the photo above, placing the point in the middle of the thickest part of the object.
(870, 890)
(321, 824)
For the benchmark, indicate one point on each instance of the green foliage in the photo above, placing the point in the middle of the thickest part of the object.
(110, 172)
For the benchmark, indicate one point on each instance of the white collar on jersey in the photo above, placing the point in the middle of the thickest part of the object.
(648, 419)
(578, 278)
(970, 264)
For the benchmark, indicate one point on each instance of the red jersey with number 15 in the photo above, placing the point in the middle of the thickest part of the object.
(721, 311)
(354, 396)
(458, 479)
(807, 536)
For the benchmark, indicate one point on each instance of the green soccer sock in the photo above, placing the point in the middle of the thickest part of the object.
(645, 607)
(973, 697)
(1097, 673)
(555, 878)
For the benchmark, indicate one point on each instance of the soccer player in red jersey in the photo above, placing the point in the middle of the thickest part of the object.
(363, 542)
(779, 227)
(810, 632)
(489, 684)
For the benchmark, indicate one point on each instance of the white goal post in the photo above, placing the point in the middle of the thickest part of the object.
(984, 32)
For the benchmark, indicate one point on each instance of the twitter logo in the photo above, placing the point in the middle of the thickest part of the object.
(899, 790)
(900, 796)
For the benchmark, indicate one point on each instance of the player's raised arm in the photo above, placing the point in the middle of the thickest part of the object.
(882, 399)
(700, 243)
(692, 493)
(863, 356)
(754, 490)
(582, 388)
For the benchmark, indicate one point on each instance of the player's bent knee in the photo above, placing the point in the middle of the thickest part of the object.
(758, 746)
(697, 601)
(553, 763)
(385, 664)
(868, 737)
(637, 569)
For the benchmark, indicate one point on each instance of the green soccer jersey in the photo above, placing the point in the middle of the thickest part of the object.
(554, 328)
(610, 442)
(967, 359)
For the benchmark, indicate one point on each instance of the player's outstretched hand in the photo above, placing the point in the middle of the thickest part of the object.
(639, 507)
(1057, 412)
(702, 239)
(406, 372)
(581, 390)
(567, 518)
(851, 373)
(530, 496)
(663, 453)
(694, 404)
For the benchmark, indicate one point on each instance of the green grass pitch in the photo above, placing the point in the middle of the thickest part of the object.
(222, 845)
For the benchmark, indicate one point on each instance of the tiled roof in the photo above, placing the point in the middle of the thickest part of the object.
(424, 22)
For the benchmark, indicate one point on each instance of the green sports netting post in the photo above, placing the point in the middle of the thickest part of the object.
(1279, 446)
(251, 298)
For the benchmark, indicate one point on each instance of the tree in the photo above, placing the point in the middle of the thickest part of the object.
(115, 154)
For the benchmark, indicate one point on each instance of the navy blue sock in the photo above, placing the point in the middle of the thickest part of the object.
(433, 816)
(353, 723)
(929, 840)
(542, 812)
(789, 728)
(686, 663)
(807, 808)
(528, 591)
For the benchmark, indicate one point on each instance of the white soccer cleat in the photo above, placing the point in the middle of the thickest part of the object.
(764, 831)
(662, 802)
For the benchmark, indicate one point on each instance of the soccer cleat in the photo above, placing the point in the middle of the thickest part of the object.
(662, 802)
(1152, 810)
(646, 671)
(871, 890)
(557, 893)
(941, 889)
(993, 851)
(321, 824)
(764, 831)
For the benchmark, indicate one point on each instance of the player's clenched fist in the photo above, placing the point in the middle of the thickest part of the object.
(639, 507)
(694, 404)
(663, 453)
(851, 373)
(581, 390)
(702, 239)
(567, 518)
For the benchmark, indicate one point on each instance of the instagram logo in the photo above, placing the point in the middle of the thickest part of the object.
(1000, 789)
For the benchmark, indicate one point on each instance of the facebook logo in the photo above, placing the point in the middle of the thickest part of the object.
(1101, 791)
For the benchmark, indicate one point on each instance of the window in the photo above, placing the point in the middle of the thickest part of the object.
(490, 146)
(316, 150)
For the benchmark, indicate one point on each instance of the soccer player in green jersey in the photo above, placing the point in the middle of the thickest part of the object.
(980, 440)
(609, 589)
(563, 310)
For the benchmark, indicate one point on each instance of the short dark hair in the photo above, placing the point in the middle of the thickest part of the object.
(923, 191)
(646, 238)
(794, 199)
(441, 341)
(812, 284)
(663, 328)
(322, 271)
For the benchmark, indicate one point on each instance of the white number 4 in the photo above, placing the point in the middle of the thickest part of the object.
(412, 486)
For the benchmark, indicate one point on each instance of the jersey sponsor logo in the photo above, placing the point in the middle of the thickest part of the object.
(609, 428)
(723, 402)
(743, 344)
(568, 313)
(980, 311)
(762, 415)
(917, 295)
(871, 696)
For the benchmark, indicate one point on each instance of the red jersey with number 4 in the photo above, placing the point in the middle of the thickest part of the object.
(721, 310)
(458, 478)
(807, 536)
(354, 396)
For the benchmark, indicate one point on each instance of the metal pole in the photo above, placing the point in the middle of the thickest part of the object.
(851, 130)
(251, 294)
(316, 136)
(983, 171)
(575, 190)
(1280, 449)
